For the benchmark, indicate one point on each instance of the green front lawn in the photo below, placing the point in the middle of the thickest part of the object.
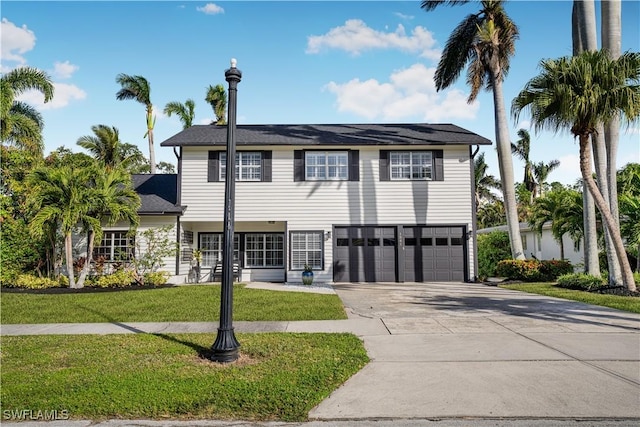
(278, 376)
(197, 303)
(625, 303)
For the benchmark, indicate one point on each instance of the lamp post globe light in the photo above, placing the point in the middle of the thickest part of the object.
(226, 346)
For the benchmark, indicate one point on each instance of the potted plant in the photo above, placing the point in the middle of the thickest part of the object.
(197, 256)
(307, 275)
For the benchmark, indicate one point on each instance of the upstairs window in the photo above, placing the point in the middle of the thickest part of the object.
(400, 165)
(411, 165)
(326, 166)
(250, 166)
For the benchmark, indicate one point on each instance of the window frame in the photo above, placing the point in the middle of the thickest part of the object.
(265, 250)
(300, 167)
(437, 166)
(217, 253)
(411, 165)
(250, 167)
(215, 171)
(326, 166)
(306, 250)
(129, 247)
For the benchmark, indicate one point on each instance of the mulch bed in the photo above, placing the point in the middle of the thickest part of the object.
(85, 290)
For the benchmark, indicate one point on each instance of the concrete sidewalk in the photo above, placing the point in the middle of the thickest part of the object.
(466, 353)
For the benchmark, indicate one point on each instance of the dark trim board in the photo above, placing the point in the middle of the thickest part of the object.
(400, 253)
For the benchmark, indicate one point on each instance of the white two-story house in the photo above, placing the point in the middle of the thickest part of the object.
(356, 202)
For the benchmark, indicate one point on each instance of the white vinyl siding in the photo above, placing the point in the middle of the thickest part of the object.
(317, 205)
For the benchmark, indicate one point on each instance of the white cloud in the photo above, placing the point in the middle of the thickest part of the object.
(63, 95)
(16, 41)
(355, 37)
(403, 16)
(63, 70)
(210, 9)
(409, 95)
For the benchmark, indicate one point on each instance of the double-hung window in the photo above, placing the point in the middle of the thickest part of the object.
(211, 247)
(326, 165)
(264, 250)
(406, 165)
(248, 166)
(115, 246)
(306, 248)
(251, 166)
(411, 165)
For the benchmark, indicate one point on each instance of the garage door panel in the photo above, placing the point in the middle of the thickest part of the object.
(365, 254)
(434, 254)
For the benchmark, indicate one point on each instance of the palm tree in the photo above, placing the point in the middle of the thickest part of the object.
(484, 183)
(485, 41)
(61, 200)
(217, 97)
(106, 147)
(185, 112)
(584, 38)
(522, 149)
(541, 171)
(491, 215)
(138, 89)
(20, 123)
(114, 200)
(579, 93)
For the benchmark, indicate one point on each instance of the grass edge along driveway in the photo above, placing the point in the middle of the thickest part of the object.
(279, 376)
(196, 303)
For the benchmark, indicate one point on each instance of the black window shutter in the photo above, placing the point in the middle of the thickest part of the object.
(266, 166)
(213, 166)
(438, 169)
(384, 165)
(298, 165)
(354, 165)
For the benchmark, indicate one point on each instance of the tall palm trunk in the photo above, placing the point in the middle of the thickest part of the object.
(505, 162)
(611, 12)
(152, 152)
(605, 212)
(584, 38)
(68, 252)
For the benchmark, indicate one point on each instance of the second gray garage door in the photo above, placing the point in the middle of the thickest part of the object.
(434, 254)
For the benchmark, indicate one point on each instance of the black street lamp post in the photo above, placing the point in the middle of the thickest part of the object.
(226, 346)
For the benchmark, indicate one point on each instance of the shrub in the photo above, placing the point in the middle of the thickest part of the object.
(532, 270)
(119, 279)
(29, 281)
(581, 281)
(156, 279)
(492, 248)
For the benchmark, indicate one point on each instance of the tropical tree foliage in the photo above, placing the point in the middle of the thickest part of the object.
(21, 124)
(522, 149)
(185, 112)
(483, 43)
(484, 183)
(105, 146)
(139, 89)
(541, 171)
(578, 94)
(217, 97)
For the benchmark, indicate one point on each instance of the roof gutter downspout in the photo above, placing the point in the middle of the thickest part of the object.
(474, 218)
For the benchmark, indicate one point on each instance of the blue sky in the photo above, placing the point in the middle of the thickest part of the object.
(302, 62)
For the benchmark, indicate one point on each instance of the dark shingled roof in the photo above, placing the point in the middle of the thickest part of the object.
(337, 134)
(158, 193)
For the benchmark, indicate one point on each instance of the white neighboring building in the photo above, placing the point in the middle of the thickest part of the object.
(544, 246)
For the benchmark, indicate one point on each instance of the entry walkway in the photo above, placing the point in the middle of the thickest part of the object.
(459, 352)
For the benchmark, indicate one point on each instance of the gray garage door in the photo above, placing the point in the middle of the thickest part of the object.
(433, 254)
(364, 254)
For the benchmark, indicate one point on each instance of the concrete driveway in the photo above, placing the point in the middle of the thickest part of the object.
(453, 350)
